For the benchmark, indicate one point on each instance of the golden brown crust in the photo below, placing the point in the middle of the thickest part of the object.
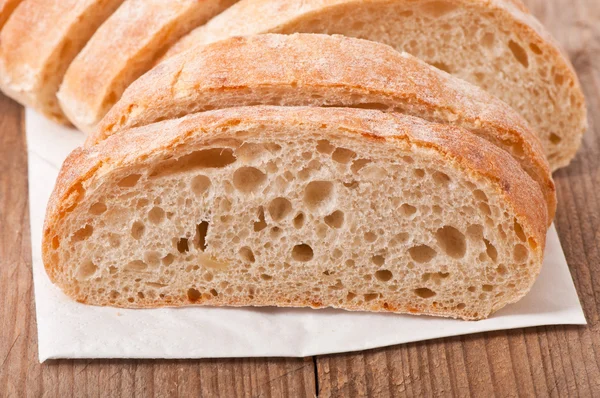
(38, 43)
(279, 16)
(124, 47)
(6, 8)
(475, 156)
(322, 70)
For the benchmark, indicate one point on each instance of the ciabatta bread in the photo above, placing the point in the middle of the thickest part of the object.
(495, 44)
(296, 206)
(38, 43)
(322, 70)
(125, 47)
(6, 9)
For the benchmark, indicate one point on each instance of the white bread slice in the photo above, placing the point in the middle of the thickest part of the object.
(38, 43)
(322, 70)
(6, 8)
(296, 206)
(125, 47)
(495, 44)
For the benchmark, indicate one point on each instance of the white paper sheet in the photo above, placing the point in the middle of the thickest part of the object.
(67, 329)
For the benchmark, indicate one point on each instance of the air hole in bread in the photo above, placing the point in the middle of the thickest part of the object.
(520, 253)
(203, 159)
(83, 233)
(129, 181)
(249, 179)
(519, 53)
(247, 255)
(208, 276)
(86, 270)
(452, 241)
(299, 220)
(214, 292)
(279, 209)
(501, 269)
(383, 275)
(555, 139)
(440, 178)
(371, 296)
(420, 173)
(436, 9)
(422, 253)
(487, 40)
(168, 259)
(424, 292)
(182, 245)
(535, 48)
(193, 295)
(276, 232)
(480, 195)
(260, 224)
(200, 185)
(335, 219)
(370, 236)
(325, 147)
(137, 230)
(135, 266)
(141, 295)
(97, 208)
(358, 164)
(484, 208)
(319, 195)
(200, 237)
(490, 250)
(378, 260)
(302, 253)
(487, 288)
(156, 215)
(407, 210)
(343, 155)
(250, 152)
(442, 66)
(461, 306)
(519, 231)
(141, 203)
(266, 277)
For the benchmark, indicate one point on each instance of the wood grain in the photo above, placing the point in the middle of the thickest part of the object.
(556, 361)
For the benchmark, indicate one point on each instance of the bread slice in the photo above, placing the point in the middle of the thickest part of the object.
(6, 8)
(125, 47)
(296, 206)
(495, 44)
(322, 70)
(38, 43)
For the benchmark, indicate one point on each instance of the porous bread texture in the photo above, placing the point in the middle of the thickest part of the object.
(125, 47)
(38, 43)
(6, 9)
(346, 208)
(495, 44)
(322, 70)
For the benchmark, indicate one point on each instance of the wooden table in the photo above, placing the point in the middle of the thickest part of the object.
(543, 361)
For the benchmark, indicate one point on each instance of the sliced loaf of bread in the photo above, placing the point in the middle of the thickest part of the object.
(125, 47)
(495, 44)
(296, 206)
(38, 43)
(322, 70)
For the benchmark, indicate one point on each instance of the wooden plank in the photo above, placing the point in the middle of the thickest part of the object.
(555, 360)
